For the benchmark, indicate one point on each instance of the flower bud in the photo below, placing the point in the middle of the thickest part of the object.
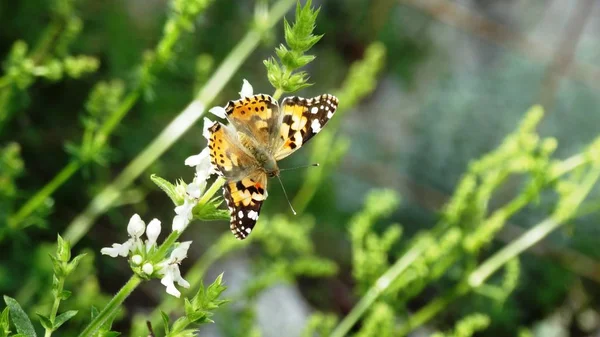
(153, 231)
(148, 268)
(137, 259)
(136, 226)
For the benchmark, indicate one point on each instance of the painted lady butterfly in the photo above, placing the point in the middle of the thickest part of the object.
(260, 133)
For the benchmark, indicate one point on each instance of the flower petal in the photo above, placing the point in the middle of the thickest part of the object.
(167, 281)
(204, 168)
(218, 111)
(117, 249)
(180, 222)
(207, 124)
(247, 89)
(180, 252)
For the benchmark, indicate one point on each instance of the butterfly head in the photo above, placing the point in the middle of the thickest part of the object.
(271, 168)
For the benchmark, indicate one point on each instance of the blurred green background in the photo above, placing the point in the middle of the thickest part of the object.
(458, 77)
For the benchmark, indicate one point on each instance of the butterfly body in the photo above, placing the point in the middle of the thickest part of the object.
(259, 134)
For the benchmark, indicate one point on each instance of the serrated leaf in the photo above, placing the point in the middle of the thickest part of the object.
(62, 318)
(45, 321)
(168, 188)
(19, 318)
(165, 319)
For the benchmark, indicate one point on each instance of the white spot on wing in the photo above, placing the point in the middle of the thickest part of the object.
(315, 126)
(330, 114)
(240, 214)
(248, 230)
(252, 214)
(314, 110)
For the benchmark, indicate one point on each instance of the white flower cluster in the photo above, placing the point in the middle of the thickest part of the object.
(140, 252)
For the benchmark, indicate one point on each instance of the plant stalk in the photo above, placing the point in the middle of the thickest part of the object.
(111, 308)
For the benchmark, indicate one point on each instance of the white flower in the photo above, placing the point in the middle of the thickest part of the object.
(136, 226)
(117, 249)
(152, 232)
(184, 215)
(218, 111)
(136, 229)
(170, 269)
(204, 168)
(194, 190)
(247, 89)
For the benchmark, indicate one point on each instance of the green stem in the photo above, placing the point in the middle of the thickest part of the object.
(161, 253)
(277, 94)
(55, 305)
(377, 289)
(34, 202)
(115, 118)
(185, 120)
(103, 133)
(509, 252)
(535, 234)
(111, 307)
(432, 309)
(211, 191)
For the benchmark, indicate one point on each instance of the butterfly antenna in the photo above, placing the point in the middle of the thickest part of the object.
(286, 197)
(299, 167)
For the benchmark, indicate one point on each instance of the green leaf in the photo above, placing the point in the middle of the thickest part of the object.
(210, 211)
(65, 294)
(165, 319)
(63, 250)
(19, 318)
(46, 322)
(179, 325)
(109, 334)
(62, 318)
(168, 188)
(94, 312)
(4, 323)
(74, 263)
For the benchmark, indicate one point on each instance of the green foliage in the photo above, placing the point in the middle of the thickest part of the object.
(288, 254)
(369, 250)
(319, 324)
(11, 167)
(198, 310)
(467, 326)
(102, 104)
(300, 39)
(19, 318)
(379, 322)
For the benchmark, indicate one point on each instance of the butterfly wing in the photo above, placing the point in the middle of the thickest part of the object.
(229, 158)
(302, 119)
(244, 198)
(256, 116)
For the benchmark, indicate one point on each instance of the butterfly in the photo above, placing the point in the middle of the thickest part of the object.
(260, 133)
